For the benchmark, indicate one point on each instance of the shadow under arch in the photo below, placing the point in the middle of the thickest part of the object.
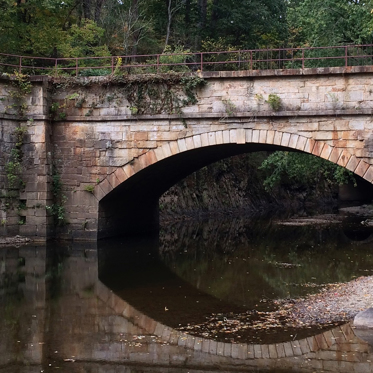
(128, 197)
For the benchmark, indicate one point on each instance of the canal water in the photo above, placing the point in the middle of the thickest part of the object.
(124, 305)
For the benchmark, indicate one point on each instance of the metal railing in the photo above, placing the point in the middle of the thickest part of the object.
(255, 59)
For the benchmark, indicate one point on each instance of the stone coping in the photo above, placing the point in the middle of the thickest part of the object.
(188, 116)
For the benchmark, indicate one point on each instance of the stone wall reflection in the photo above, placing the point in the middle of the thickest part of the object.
(22, 306)
(79, 324)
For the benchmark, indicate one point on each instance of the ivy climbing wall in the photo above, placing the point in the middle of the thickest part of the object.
(25, 158)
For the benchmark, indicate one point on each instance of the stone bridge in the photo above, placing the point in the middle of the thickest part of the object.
(102, 166)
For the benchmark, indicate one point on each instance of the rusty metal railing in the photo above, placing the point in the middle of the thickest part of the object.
(255, 59)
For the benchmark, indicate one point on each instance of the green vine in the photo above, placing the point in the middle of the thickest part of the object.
(22, 86)
(13, 171)
(57, 209)
(13, 167)
(147, 94)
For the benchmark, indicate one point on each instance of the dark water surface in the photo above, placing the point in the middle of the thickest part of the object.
(54, 316)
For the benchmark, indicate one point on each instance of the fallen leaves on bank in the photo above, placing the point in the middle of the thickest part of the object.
(333, 305)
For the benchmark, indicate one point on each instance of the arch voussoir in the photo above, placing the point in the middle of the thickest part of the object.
(344, 158)
(197, 141)
(369, 174)
(291, 140)
(326, 151)
(301, 143)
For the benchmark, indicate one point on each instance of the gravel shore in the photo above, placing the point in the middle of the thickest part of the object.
(336, 303)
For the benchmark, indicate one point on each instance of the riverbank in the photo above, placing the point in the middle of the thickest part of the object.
(335, 303)
(288, 319)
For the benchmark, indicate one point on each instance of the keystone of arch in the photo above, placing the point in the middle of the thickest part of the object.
(238, 136)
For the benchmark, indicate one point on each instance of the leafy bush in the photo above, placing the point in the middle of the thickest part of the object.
(274, 102)
(303, 169)
(95, 72)
(172, 58)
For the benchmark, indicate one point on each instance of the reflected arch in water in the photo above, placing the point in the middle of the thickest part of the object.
(128, 197)
(89, 328)
(336, 350)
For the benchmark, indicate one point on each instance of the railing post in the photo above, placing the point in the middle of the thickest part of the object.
(76, 67)
(239, 60)
(346, 56)
(112, 64)
(302, 58)
(56, 67)
(201, 62)
(157, 63)
(20, 64)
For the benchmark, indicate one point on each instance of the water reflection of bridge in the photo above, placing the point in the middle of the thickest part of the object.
(87, 323)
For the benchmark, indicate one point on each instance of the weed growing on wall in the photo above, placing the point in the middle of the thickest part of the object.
(89, 188)
(274, 102)
(230, 108)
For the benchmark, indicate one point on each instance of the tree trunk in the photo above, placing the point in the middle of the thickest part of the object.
(203, 14)
(202, 6)
(187, 13)
(136, 34)
(87, 5)
(169, 13)
(98, 9)
(214, 15)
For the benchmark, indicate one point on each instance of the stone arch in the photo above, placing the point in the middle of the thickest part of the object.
(238, 136)
(128, 197)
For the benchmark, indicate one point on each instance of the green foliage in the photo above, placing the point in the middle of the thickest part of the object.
(22, 87)
(118, 65)
(156, 94)
(57, 209)
(73, 96)
(13, 167)
(330, 22)
(94, 72)
(56, 111)
(173, 57)
(84, 40)
(274, 102)
(285, 168)
(89, 188)
(54, 107)
(230, 107)
(49, 28)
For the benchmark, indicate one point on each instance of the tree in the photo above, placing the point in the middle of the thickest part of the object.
(330, 22)
(303, 170)
(172, 8)
(48, 28)
(127, 24)
(248, 23)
